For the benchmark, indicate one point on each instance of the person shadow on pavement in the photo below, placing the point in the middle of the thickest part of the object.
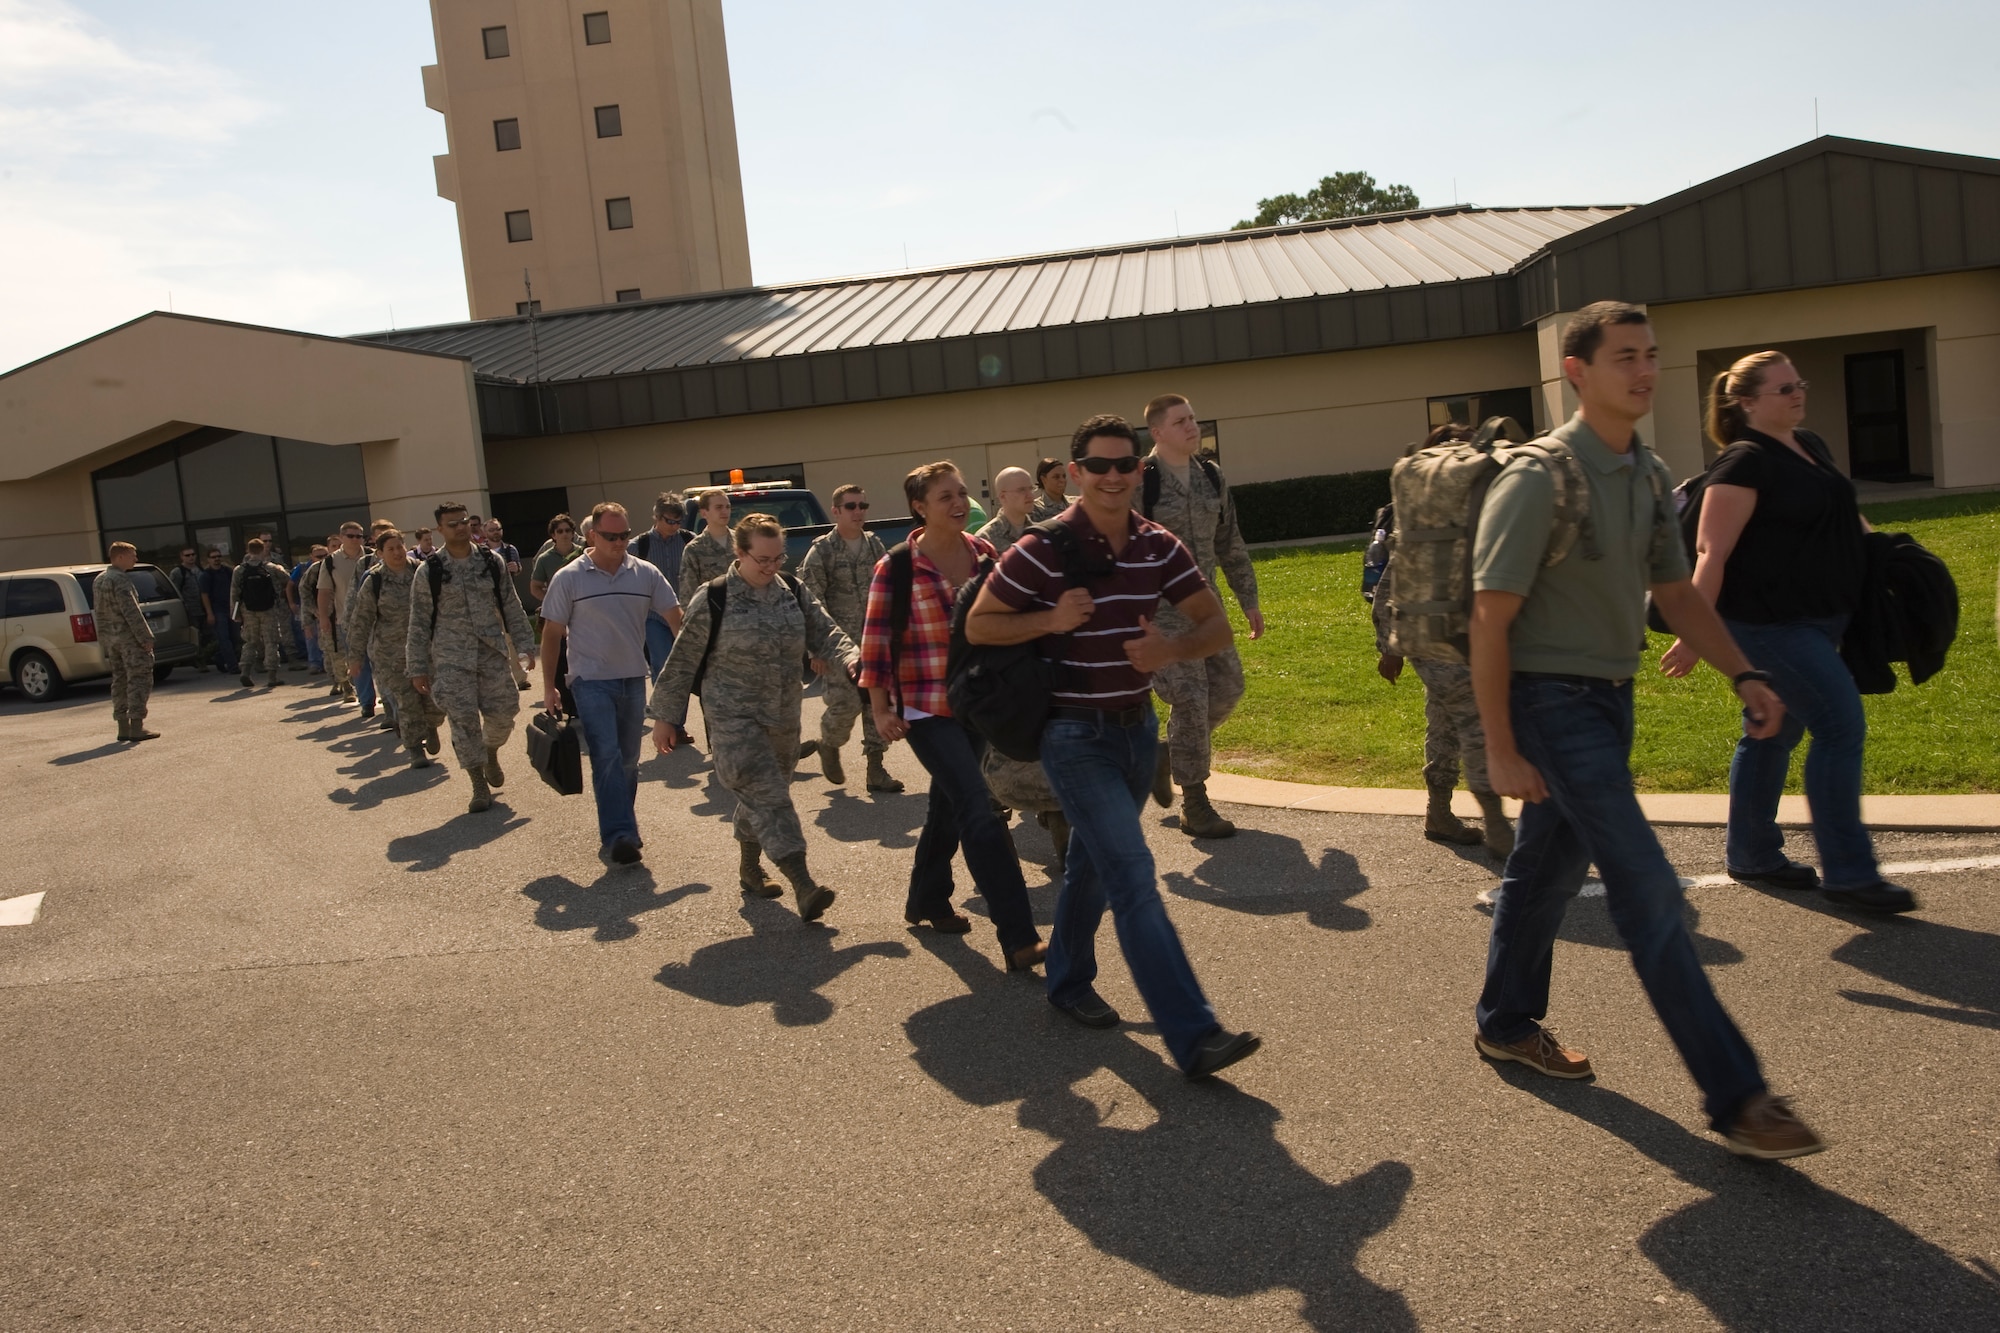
(1204, 1197)
(782, 962)
(1269, 874)
(1957, 966)
(400, 781)
(1772, 1251)
(85, 756)
(433, 848)
(608, 906)
(1588, 922)
(887, 819)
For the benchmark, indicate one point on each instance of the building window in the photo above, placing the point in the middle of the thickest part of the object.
(627, 294)
(608, 124)
(527, 307)
(506, 135)
(596, 29)
(518, 228)
(1474, 408)
(496, 42)
(617, 214)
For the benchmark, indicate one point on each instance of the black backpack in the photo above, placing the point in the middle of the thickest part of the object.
(258, 592)
(434, 571)
(1149, 480)
(1002, 691)
(718, 602)
(1376, 562)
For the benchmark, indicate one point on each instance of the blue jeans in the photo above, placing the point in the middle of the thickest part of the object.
(1803, 658)
(1101, 773)
(659, 640)
(612, 714)
(225, 635)
(961, 814)
(308, 647)
(364, 681)
(1579, 735)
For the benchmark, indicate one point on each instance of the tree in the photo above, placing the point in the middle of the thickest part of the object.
(1345, 194)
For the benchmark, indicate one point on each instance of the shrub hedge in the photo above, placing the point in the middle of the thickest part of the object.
(1326, 506)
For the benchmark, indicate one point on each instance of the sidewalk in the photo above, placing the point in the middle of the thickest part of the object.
(1902, 814)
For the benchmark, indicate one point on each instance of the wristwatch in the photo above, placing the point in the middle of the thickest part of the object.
(1736, 681)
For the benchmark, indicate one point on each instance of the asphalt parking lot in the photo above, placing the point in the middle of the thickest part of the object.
(295, 1042)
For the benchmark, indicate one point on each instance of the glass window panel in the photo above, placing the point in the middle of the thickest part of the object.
(236, 475)
(496, 42)
(618, 214)
(310, 526)
(626, 294)
(318, 475)
(609, 124)
(139, 492)
(506, 135)
(519, 228)
(157, 545)
(596, 29)
(33, 597)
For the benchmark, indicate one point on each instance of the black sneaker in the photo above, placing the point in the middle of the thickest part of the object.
(1221, 1049)
(1791, 876)
(1091, 1011)
(1881, 896)
(624, 851)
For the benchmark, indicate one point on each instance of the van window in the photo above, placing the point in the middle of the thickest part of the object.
(152, 584)
(34, 597)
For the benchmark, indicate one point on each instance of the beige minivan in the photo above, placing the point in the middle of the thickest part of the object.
(48, 636)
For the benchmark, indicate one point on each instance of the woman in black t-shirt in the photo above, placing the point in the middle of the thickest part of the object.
(1779, 552)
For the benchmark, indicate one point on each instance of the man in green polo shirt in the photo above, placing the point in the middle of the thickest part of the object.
(1554, 649)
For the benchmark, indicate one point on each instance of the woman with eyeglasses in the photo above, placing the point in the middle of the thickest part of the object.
(904, 674)
(1779, 552)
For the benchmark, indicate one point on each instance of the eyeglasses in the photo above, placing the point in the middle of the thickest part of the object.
(615, 536)
(854, 504)
(764, 561)
(1097, 467)
(1787, 390)
(565, 528)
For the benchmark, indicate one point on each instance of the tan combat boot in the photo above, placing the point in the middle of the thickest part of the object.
(1198, 817)
(124, 730)
(494, 777)
(879, 778)
(829, 764)
(813, 899)
(1499, 829)
(482, 797)
(750, 872)
(139, 732)
(1441, 825)
(418, 759)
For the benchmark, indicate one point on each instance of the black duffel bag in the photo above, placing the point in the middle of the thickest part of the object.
(554, 751)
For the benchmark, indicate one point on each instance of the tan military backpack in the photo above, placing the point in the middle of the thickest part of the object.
(1438, 494)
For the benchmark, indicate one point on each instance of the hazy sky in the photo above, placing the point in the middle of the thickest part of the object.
(270, 162)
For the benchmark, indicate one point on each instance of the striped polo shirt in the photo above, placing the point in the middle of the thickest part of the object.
(1154, 564)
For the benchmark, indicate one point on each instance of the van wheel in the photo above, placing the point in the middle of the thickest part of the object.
(160, 674)
(35, 675)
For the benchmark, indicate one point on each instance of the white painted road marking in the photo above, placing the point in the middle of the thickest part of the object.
(20, 911)
(1593, 888)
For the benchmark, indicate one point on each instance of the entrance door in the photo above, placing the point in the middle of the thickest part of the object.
(1878, 421)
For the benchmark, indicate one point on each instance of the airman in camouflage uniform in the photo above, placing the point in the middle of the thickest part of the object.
(1015, 490)
(711, 551)
(1194, 504)
(263, 631)
(380, 624)
(459, 647)
(838, 568)
(751, 699)
(127, 642)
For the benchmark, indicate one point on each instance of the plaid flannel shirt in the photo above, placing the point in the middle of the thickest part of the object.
(926, 641)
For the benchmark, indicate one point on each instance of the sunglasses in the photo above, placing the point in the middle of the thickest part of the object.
(615, 536)
(1097, 467)
(854, 504)
(1787, 390)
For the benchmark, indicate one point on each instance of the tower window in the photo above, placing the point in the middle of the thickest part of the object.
(506, 135)
(617, 214)
(518, 228)
(596, 29)
(496, 42)
(627, 294)
(527, 307)
(609, 125)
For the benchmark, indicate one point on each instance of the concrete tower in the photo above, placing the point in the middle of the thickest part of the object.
(593, 144)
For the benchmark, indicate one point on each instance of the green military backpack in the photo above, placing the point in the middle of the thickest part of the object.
(1438, 494)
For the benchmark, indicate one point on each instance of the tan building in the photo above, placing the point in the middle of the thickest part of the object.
(592, 150)
(1312, 349)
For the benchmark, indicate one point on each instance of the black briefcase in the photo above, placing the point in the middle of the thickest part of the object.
(555, 753)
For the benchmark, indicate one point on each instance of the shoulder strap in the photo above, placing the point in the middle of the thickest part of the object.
(434, 571)
(902, 578)
(1212, 469)
(497, 567)
(375, 583)
(1149, 485)
(717, 589)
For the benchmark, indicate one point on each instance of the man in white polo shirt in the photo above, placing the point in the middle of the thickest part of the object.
(601, 603)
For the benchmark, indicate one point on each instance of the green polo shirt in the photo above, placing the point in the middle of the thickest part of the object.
(1582, 617)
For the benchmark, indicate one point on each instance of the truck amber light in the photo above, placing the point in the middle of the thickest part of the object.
(83, 628)
(736, 476)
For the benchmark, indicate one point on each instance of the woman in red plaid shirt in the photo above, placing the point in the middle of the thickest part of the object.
(907, 693)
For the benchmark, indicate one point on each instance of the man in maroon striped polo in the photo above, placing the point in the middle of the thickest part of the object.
(1094, 615)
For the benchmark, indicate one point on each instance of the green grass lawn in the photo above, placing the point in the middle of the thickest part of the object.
(1317, 712)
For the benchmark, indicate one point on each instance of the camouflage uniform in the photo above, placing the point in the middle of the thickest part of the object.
(263, 631)
(381, 627)
(839, 575)
(1201, 693)
(1452, 731)
(466, 653)
(751, 698)
(702, 559)
(125, 637)
(1044, 508)
(1003, 532)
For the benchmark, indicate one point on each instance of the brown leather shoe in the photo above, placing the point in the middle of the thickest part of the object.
(1028, 959)
(1539, 1051)
(1767, 1128)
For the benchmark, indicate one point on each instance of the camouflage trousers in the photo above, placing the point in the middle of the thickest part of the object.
(131, 678)
(1452, 731)
(1202, 694)
(263, 633)
(335, 653)
(416, 716)
(754, 763)
(844, 703)
(480, 700)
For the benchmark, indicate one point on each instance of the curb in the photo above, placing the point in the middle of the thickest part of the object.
(1887, 814)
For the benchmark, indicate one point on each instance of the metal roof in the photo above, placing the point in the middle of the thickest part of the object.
(1038, 292)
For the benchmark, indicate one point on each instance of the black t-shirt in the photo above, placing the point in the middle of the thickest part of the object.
(1800, 556)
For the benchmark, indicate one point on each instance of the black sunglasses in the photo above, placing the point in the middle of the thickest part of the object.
(614, 536)
(1097, 466)
(854, 504)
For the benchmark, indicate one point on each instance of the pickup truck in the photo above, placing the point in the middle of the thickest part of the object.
(803, 516)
